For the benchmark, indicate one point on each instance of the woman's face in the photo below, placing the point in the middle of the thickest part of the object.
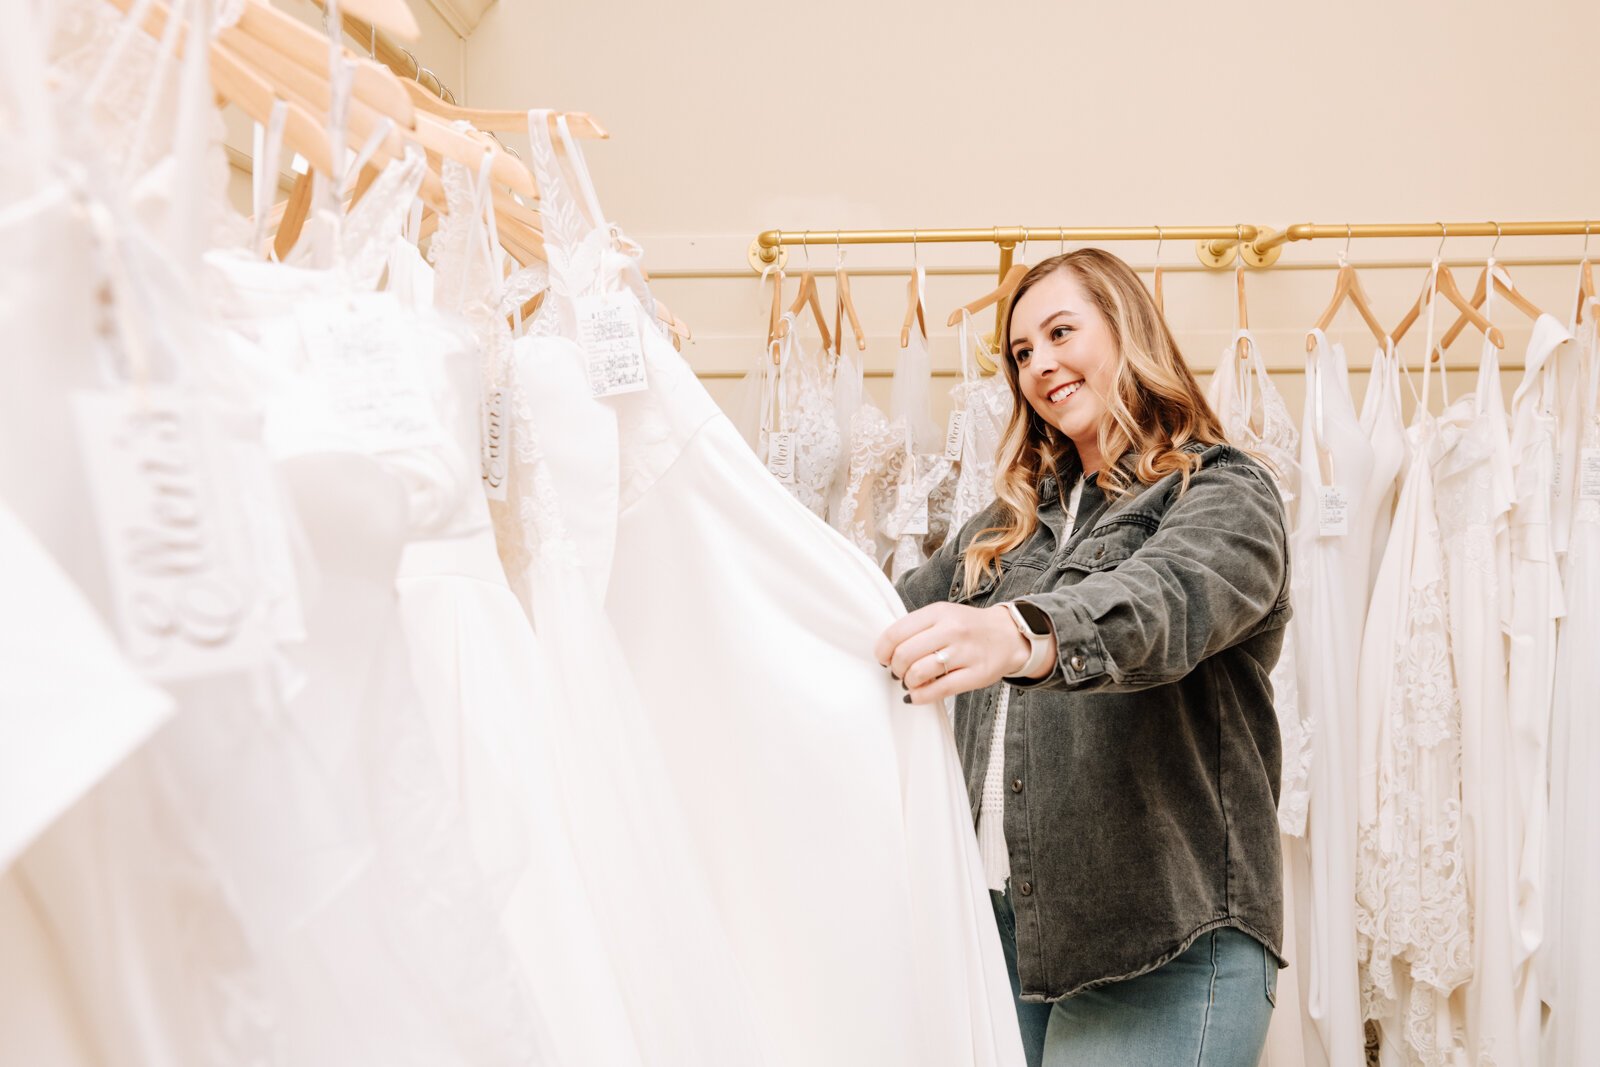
(1065, 358)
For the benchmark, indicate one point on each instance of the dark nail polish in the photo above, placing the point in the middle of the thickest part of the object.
(906, 698)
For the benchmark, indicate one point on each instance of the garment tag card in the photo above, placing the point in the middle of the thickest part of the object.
(367, 366)
(174, 532)
(780, 457)
(955, 432)
(608, 333)
(1589, 474)
(496, 436)
(917, 524)
(1333, 511)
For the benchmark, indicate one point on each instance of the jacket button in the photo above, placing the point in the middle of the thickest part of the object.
(1026, 889)
(1099, 551)
(1077, 664)
(1016, 785)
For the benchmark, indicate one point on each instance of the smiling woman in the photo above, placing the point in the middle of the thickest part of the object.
(1107, 626)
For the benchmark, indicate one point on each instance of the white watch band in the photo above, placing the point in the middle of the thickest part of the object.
(1038, 645)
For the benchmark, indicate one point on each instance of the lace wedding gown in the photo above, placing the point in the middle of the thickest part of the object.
(1414, 928)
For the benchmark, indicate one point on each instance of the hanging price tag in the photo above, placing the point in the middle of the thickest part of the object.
(917, 524)
(780, 457)
(373, 384)
(175, 533)
(608, 333)
(954, 434)
(496, 436)
(1333, 511)
(1589, 474)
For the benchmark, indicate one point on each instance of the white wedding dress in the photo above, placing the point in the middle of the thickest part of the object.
(1536, 604)
(1567, 979)
(1475, 491)
(1414, 929)
(809, 790)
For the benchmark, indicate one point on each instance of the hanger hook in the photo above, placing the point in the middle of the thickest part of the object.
(1160, 240)
(914, 262)
(1444, 235)
(805, 246)
(1346, 253)
(838, 251)
(1063, 235)
(1024, 255)
(1585, 238)
(415, 66)
(1238, 263)
(1496, 244)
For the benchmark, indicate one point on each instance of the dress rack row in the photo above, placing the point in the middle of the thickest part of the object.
(1215, 246)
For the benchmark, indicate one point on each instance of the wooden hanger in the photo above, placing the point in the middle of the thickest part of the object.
(1348, 287)
(1480, 293)
(391, 16)
(373, 83)
(376, 90)
(1445, 285)
(580, 123)
(1003, 291)
(807, 296)
(775, 317)
(1155, 279)
(247, 90)
(914, 311)
(845, 305)
(1241, 347)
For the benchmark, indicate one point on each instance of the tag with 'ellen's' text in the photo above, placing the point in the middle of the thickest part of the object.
(174, 533)
(780, 457)
(496, 433)
(955, 432)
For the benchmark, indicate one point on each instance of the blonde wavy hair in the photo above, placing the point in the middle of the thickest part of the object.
(1153, 409)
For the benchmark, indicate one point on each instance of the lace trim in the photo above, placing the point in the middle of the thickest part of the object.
(1413, 923)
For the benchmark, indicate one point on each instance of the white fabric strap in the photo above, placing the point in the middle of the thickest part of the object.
(268, 151)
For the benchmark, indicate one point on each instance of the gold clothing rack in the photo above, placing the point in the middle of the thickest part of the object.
(1215, 246)
(770, 247)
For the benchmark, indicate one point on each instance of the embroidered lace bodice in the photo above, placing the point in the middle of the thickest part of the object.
(985, 407)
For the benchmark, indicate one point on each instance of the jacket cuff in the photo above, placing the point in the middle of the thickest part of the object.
(1079, 653)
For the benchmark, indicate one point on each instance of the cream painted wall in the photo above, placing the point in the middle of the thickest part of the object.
(729, 118)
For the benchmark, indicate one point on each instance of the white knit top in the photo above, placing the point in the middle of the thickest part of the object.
(992, 805)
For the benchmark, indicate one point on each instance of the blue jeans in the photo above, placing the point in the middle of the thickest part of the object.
(1207, 1007)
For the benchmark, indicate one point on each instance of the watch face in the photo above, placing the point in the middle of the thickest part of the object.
(1036, 618)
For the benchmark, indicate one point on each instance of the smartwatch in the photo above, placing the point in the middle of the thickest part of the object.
(1034, 624)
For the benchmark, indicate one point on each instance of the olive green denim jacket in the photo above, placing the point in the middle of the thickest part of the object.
(1142, 773)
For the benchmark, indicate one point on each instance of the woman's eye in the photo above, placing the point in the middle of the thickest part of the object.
(1060, 332)
(1021, 355)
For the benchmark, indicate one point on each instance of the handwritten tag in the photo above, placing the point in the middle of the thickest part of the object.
(175, 533)
(954, 434)
(780, 457)
(496, 436)
(608, 333)
(366, 366)
(1589, 474)
(1333, 511)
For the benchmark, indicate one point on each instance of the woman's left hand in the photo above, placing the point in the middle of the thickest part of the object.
(945, 649)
